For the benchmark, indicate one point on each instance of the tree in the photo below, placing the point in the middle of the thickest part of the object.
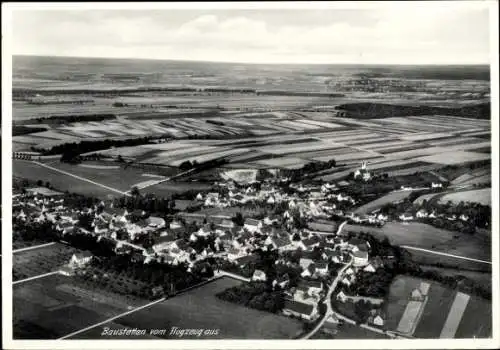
(238, 219)
(135, 191)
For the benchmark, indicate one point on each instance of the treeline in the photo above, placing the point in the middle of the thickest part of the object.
(368, 110)
(18, 130)
(306, 169)
(70, 150)
(299, 93)
(255, 295)
(66, 119)
(149, 203)
(209, 164)
(33, 231)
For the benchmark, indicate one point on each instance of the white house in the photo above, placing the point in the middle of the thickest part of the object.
(305, 311)
(369, 268)
(422, 213)
(252, 225)
(360, 258)
(406, 216)
(464, 217)
(378, 321)
(259, 275)
(321, 268)
(80, 259)
(436, 185)
(346, 281)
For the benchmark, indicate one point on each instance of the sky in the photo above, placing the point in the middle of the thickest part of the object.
(418, 33)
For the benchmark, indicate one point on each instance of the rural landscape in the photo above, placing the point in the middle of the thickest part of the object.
(201, 200)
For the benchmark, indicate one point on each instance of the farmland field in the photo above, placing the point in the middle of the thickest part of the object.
(35, 172)
(41, 260)
(482, 196)
(446, 312)
(53, 306)
(200, 308)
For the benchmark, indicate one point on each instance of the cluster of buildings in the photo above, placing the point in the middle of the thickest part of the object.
(319, 245)
(312, 201)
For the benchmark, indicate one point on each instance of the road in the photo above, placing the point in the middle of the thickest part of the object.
(82, 178)
(153, 183)
(35, 277)
(328, 298)
(33, 247)
(445, 254)
(328, 301)
(339, 230)
(232, 275)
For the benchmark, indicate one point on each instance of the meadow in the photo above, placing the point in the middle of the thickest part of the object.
(424, 236)
(53, 306)
(41, 260)
(200, 308)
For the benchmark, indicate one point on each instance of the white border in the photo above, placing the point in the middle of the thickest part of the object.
(494, 342)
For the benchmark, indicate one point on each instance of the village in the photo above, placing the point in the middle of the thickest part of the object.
(299, 232)
(296, 248)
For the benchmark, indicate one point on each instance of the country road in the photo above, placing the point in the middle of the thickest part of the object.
(81, 178)
(445, 254)
(157, 182)
(328, 301)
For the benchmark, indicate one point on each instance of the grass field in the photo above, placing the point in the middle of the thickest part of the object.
(428, 237)
(119, 178)
(51, 307)
(200, 308)
(34, 172)
(392, 197)
(41, 260)
(482, 196)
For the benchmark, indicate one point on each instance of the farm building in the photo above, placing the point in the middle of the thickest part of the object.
(80, 259)
(298, 309)
(259, 275)
(360, 258)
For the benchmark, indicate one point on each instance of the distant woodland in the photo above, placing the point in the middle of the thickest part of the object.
(380, 110)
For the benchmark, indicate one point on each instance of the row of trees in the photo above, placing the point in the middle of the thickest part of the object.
(308, 168)
(149, 203)
(256, 295)
(72, 149)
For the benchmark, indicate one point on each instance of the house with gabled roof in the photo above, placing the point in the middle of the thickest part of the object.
(360, 258)
(305, 311)
(321, 268)
(281, 281)
(309, 271)
(259, 275)
(80, 259)
(332, 255)
(252, 225)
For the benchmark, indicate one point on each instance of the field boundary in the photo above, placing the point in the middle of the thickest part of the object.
(35, 277)
(446, 254)
(33, 247)
(82, 179)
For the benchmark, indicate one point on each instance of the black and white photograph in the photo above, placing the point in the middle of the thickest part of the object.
(293, 175)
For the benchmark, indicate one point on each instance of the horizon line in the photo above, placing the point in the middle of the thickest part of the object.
(255, 63)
